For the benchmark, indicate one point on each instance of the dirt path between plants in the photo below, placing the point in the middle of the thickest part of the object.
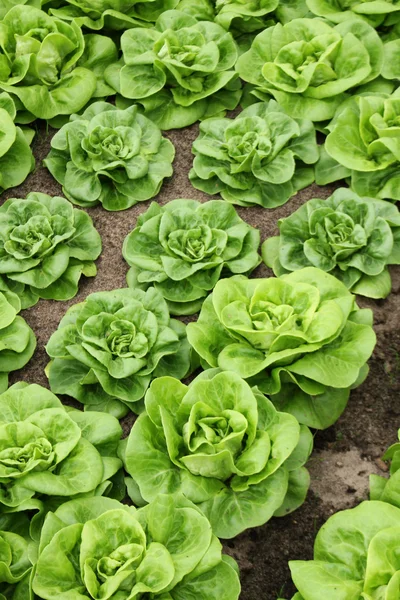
(344, 455)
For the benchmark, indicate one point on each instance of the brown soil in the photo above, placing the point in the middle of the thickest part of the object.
(344, 455)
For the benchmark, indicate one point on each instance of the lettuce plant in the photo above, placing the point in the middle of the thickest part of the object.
(300, 337)
(16, 158)
(245, 16)
(15, 560)
(17, 340)
(184, 247)
(363, 144)
(178, 69)
(112, 14)
(350, 237)
(108, 348)
(371, 11)
(262, 157)
(355, 556)
(105, 549)
(48, 64)
(48, 450)
(307, 65)
(388, 490)
(45, 247)
(224, 446)
(110, 156)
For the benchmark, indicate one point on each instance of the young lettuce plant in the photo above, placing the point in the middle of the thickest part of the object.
(180, 70)
(110, 156)
(223, 445)
(374, 13)
(307, 65)
(350, 237)
(356, 551)
(184, 247)
(262, 157)
(15, 559)
(105, 549)
(363, 144)
(46, 245)
(48, 450)
(245, 16)
(16, 158)
(108, 348)
(17, 340)
(300, 338)
(48, 64)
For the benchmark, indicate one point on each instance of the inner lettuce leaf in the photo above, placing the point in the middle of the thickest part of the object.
(49, 65)
(185, 246)
(112, 157)
(309, 66)
(224, 446)
(46, 245)
(108, 348)
(353, 238)
(300, 338)
(262, 157)
(177, 70)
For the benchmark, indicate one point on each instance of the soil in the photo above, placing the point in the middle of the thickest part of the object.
(344, 455)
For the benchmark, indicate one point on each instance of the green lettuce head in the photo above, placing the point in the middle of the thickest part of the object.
(15, 560)
(16, 158)
(374, 13)
(262, 157)
(355, 556)
(110, 156)
(224, 446)
(108, 348)
(363, 144)
(350, 237)
(308, 65)
(114, 15)
(388, 490)
(245, 16)
(48, 450)
(177, 70)
(48, 64)
(184, 247)
(45, 247)
(98, 548)
(17, 340)
(300, 338)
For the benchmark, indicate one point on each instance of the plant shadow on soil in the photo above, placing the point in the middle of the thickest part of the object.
(344, 454)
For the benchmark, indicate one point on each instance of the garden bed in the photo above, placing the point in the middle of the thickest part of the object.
(344, 455)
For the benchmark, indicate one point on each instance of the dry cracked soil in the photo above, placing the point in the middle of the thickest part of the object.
(344, 455)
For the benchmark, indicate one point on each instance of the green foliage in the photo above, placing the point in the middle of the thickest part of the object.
(373, 12)
(50, 66)
(45, 247)
(350, 237)
(99, 548)
(262, 157)
(15, 559)
(300, 337)
(16, 158)
(110, 156)
(108, 348)
(48, 450)
(177, 70)
(17, 340)
(184, 247)
(245, 16)
(388, 490)
(307, 65)
(363, 144)
(224, 446)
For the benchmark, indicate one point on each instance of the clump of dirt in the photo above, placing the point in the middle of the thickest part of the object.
(344, 455)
